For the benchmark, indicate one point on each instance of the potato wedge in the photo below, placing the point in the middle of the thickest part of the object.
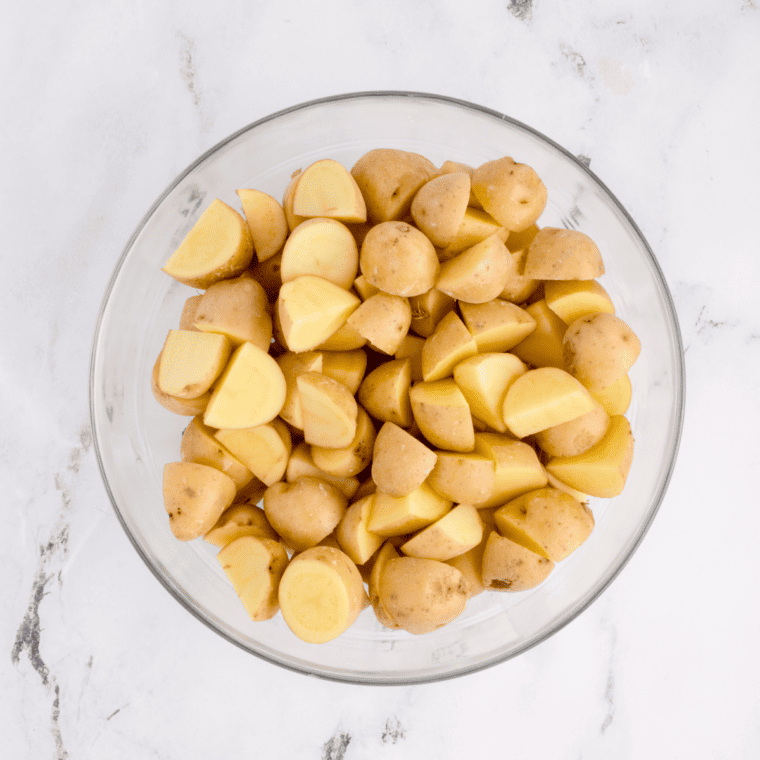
(292, 365)
(292, 219)
(439, 205)
(250, 391)
(188, 407)
(543, 347)
(266, 222)
(301, 463)
(573, 299)
(576, 436)
(327, 189)
(217, 247)
(476, 226)
(345, 338)
(463, 478)
(443, 415)
(352, 459)
(363, 288)
(428, 309)
(328, 409)
(237, 521)
(191, 362)
(264, 449)
(411, 348)
(195, 496)
(519, 287)
(397, 516)
(400, 463)
(352, 534)
(384, 392)
(498, 325)
(383, 320)
(387, 552)
(507, 566)
(615, 398)
(559, 254)
(455, 533)
(450, 343)
(347, 367)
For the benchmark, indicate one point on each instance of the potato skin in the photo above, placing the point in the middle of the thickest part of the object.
(560, 254)
(422, 595)
(575, 437)
(507, 566)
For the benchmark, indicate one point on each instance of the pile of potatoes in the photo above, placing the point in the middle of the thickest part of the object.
(419, 386)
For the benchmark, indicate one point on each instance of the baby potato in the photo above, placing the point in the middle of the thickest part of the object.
(615, 398)
(266, 222)
(453, 167)
(240, 520)
(384, 555)
(519, 287)
(326, 189)
(305, 511)
(428, 309)
(352, 534)
(301, 463)
(400, 463)
(422, 595)
(599, 349)
(191, 362)
(321, 594)
(411, 348)
(559, 254)
(255, 567)
(498, 325)
(511, 193)
(463, 478)
(507, 566)
(187, 318)
(439, 205)
(397, 516)
(455, 533)
(347, 367)
(450, 343)
(352, 459)
(345, 338)
(384, 392)
(573, 299)
(576, 436)
(195, 496)
(383, 320)
(443, 414)
(389, 179)
(292, 365)
(398, 259)
(328, 409)
(188, 407)
(264, 449)
(543, 346)
(476, 226)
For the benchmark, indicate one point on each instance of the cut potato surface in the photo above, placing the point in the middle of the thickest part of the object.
(573, 299)
(543, 347)
(450, 343)
(237, 521)
(455, 533)
(400, 463)
(264, 449)
(329, 411)
(397, 516)
(497, 325)
(266, 222)
(443, 415)
(352, 459)
(188, 407)
(190, 362)
(428, 309)
(352, 534)
(326, 189)
(301, 463)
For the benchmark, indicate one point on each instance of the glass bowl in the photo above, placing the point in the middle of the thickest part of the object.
(135, 436)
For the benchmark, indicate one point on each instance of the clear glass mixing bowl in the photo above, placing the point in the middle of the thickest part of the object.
(135, 436)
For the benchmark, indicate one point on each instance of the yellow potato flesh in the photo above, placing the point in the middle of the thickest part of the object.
(453, 534)
(266, 222)
(191, 362)
(476, 225)
(396, 516)
(311, 309)
(384, 392)
(352, 459)
(603, 469)
(363, 288)
(301, 463)
(347, 367)
(450, 343)
(543, 398)
(573, 299)
(237, 521)
(497, 325)
(439, 206)
(217, 247)
(327, 189)
(324, 248)
(443, 415)
(428, 309)
(463, 478)
(352, 533)
(615, 398)
(345, 338)
(329, 411)
(263, 449)
(543, 347)
(187, 407)
(255, 567)
(250, 391)
(293, 365)
(411, 348)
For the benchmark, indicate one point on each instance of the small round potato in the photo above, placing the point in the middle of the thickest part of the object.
(598, 349)
(422, 595)
(399, 259)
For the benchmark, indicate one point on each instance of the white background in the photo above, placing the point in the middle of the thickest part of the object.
(102, 104)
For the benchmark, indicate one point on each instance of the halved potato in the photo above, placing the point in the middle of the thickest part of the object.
(264, 449)
(560, 254)
(400, 462)
(497, 325)
(287, 202)
(190, 362)
(519, 287)
(543, 398)
(411, 348)
(321, 247)
(443, 414)
(476, 226)
(397, 516)
(386, 553)
(453, 167)
(573, 299)
(347, 367)
(450, 343)
(327, 189)
(543, 347)
(352, 459)
(345, 338)
(293, 365)
(455, 533)
(218, 246)
(301, 463)
(384, 392)
(237, 521)
(428, 309)
(507, 566)
(439, 205)
(266, 222)
(352, 534)
(615, 398)
(383, 320)
(463, 478)
(250, 391)
(187, 407)
(328, 409)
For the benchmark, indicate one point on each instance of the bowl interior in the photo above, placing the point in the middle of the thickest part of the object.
(135, 436)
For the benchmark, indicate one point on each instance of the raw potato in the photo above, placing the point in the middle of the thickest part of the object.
(484, 380)
(428, 309)
(603, 469)
(267, 274)
(443, 415)
(543, 347)
(301, 463)
(543, 398)
(479, 274)
(389, 179)
(498, 325)
(516, 467)
(324, 248)
(615, 398)
(218, 246)
(264, 449)
(573, 299)
(397, 516)
(266, 222)
(187, 318)
(200, 446)
(400, 463)
(476, 226)
(520, 288)
(352, 459)
(352, 534)
(237, 309)
(453, 167)
(345, 338)
(191, 362)
(576, 436)
(383, 320)
(463, 478)
(547, 521)
(470, 564)
(511, 193)
(293, 365)
(255, 567)
(422, 595)
(321, 594)
(311, 309)
(455, 533)
(329, 411)
(347, 367)
(411, 348)
(363, 288)
(386, 553)
(187, 407)
(326, 189)
(384, 393)
(250, 391)
(398, 259)
(438, 207)
(305, 511)
(450, 343)
(237, 521)
(195, 496)
(507, 566)
(599, 349)
(287, 202)
(559, 254)
(251, 494)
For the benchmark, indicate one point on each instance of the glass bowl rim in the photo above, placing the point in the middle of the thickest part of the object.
(680, 385)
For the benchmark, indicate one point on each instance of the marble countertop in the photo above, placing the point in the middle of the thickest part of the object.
(105, 103)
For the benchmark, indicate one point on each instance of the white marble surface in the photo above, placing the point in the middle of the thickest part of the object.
(104, 103)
